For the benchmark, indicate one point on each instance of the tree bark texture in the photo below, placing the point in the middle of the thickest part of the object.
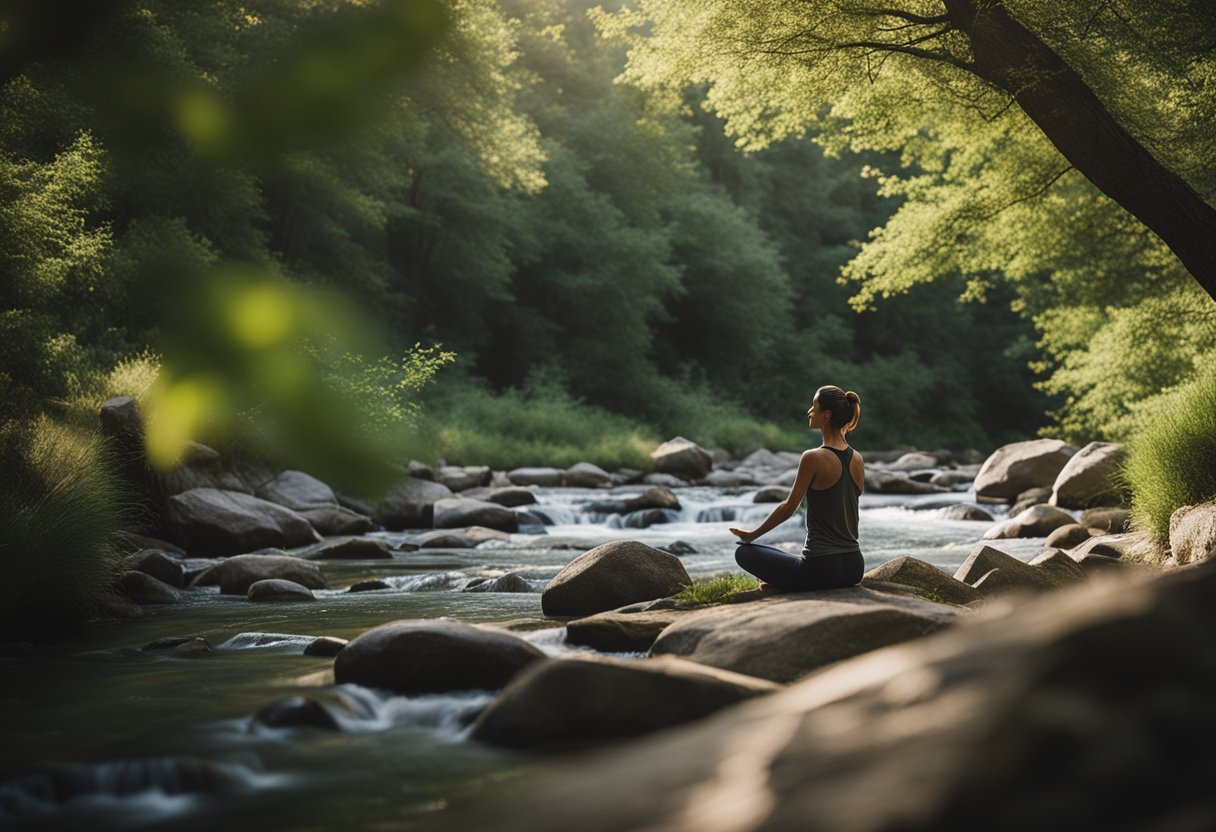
(1058, 100)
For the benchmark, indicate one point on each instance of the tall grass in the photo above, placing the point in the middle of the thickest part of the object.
(716, 589)
(60, 507)
(1171, 460)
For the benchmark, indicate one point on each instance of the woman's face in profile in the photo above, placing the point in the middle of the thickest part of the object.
(815, 416)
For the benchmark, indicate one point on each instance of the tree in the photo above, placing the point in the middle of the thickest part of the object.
(780, 66)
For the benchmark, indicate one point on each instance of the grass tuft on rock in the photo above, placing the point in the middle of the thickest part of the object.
(60, 508)
(716, 590)
(1171, 462)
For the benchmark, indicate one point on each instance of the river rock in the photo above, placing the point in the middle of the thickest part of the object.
(544, 477)
(369, 585)
(1028, 499)
(949, 479)
(277, 590)
(510, 582)
(420, 470)
(1013, 468)
(214, 522)
(411, 504)
(1068, 536)
(913, 461)
(1133, 544)
(965, 511)
(1114, 520)
(1061, 565)
(433, 656)
(1193, 532)
(613, 575)
(617, 631)
(560, 701)
(460, 478)
(886, 482)
(1036, 521)
(509, 496)
(682, 458)
(1090, 478)
(325, 646)
(349, 548)
(925, 579)
(185, 647)
(458, 512)
(296, 490)
(586, 475)
(1008, 723)
(332, 520)
(771, 494)
(646, 518)
(664, 480)
(165, 569)
(144, 589)
(296, 712)
(1015, 573)
(719, 478)
(788, 635)
(236, 574)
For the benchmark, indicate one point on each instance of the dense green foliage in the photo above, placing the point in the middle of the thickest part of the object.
(59, 510)
(1172, 459)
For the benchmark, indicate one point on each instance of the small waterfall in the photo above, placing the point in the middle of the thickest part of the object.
(249, 641)
(430, 582)
(716, 514)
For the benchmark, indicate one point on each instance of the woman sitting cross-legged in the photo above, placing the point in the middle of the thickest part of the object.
(831, 476)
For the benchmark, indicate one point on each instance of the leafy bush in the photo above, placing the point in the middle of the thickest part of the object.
(717, 589)
(60, 507)
(1172, 459)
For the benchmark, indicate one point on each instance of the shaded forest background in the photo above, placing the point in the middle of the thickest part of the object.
(606, 265)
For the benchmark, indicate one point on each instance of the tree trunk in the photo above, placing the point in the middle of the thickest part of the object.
(1059, 101)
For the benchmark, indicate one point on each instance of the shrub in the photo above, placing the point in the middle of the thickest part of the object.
(717, 589)
(1171, 461)
(60, 507)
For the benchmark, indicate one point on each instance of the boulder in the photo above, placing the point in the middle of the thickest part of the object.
(182, 647)
(1193, 532)
(1090, 478)
(1013, 468)
(1007, 723)
(664, 480)
(325, 646)
(949, 479)
(460, 478)
(1068, 536)
(965, 511)
(586, 475)
(1114, 520)
(433, 656)
(509, 496)
(1060, 565)
(458, 512)
(277, 590)
(924, 579)
(411, 504)
(771, 494)
(120, 418)
(1133, 544)
(215, 522)
(165, 569)
(144, 589)
(349, 548)
(1015, 573)
(1036, 521)
(296, 712)
(886, 482)
(544, 477)
(369, 585)
(296, 490)
(562, 701)
(719, 478)
(613, 575)
(646, 518)
(420, 470)
(682, 458)
(332, 520)
(617, 631)
(236, 574)
(510, 582)
(914, 461)
(1028, 498)
(784, 637)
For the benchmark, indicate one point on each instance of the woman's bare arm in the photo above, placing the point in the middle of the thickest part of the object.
(786, 508)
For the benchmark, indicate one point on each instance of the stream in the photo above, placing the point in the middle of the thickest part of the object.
(98, 734)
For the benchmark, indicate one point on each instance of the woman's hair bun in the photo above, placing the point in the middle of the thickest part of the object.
(853, 397)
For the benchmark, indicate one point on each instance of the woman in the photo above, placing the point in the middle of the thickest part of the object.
(831, 476)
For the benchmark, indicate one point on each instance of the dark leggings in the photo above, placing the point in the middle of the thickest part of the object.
(795, 573)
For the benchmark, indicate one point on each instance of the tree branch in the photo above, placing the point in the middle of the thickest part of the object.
(928, 54)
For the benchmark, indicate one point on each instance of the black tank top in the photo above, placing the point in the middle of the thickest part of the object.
(831, 513)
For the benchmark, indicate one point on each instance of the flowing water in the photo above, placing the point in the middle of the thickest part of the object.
(98, 734)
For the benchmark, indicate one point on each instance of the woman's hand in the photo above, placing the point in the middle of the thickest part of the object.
(744, 536)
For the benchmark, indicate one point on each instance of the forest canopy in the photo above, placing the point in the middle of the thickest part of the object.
(656, 218)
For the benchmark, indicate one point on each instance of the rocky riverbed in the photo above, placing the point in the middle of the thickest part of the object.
(307, 660)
